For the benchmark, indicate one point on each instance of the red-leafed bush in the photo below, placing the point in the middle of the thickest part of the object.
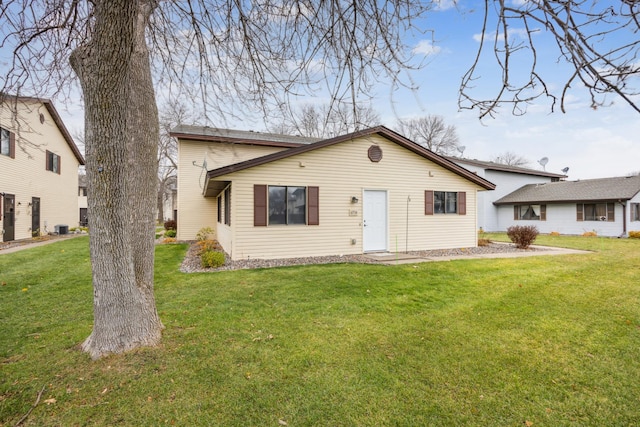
(523, 235)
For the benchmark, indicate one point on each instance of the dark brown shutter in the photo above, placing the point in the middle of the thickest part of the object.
(579, 213)
(48, 161)
(543, 212)
(428, 202)
(516, 212)
(611, 212)
(462, 203)
(259, 205)
(12, 145)
(59, 165)
(313, 205)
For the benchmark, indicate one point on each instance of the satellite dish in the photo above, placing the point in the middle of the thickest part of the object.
(565, 170)
(461, 149)
(543, 162)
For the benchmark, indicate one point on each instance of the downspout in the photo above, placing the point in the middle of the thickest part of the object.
(406, 241)
(624, 218)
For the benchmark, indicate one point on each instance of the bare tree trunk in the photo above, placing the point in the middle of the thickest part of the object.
(121, 130)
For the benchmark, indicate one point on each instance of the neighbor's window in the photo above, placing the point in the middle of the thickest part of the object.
(287, 205)
(635, 211)
(53, 162)
(530, 212)
(595, 212)
(5, 143)
(445, 202)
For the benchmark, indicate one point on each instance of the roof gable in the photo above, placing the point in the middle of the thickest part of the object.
(603, 189)
(54, 115)
(379, 130)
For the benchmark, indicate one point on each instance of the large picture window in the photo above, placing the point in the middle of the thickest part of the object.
(530, 213)
(287, 205)
(595, 212)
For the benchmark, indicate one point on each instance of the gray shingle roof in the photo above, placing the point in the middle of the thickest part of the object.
(603, 189)
(238, 136)
(504, 168)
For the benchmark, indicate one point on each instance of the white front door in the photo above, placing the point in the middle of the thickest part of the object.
(374, 217)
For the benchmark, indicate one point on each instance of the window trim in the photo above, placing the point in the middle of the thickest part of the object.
(53, 162)
(12, 143)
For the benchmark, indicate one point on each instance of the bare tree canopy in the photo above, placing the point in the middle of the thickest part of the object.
(510, 158)
(431, 132)
(597, 40)
(324, 121)
(233, 55)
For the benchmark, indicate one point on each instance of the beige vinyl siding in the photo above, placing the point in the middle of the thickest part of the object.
(342, 171)
(26, 175)
(194, 210)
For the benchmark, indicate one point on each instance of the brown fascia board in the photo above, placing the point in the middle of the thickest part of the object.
(212, 138)
(56, 118)
(380, 130)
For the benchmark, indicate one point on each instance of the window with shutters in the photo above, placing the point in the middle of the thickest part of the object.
(285, 205)
(445, 202)
(595, 212)
(53, 162)
(7, 143)
(530, 213)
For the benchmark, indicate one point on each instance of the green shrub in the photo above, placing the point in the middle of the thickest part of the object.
(634, 234)
(170, 233)
(523, 235)
(212, 259)
(170, 225)
(204, 233)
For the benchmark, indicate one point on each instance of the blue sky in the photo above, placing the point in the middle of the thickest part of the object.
(592, 143)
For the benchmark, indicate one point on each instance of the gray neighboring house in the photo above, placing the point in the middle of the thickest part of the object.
(608, 206)
(507, 179)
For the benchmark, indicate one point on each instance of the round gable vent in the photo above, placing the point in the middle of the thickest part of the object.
(375, 153)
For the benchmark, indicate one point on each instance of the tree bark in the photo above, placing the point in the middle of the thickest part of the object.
(121, 131)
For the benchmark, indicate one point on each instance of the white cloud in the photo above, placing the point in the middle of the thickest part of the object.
(426, 48)
(513, 32)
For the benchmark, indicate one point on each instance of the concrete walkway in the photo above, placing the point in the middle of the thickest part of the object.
(403, 258)
(19, 245)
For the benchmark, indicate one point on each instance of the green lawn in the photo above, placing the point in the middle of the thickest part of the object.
(540, 341)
